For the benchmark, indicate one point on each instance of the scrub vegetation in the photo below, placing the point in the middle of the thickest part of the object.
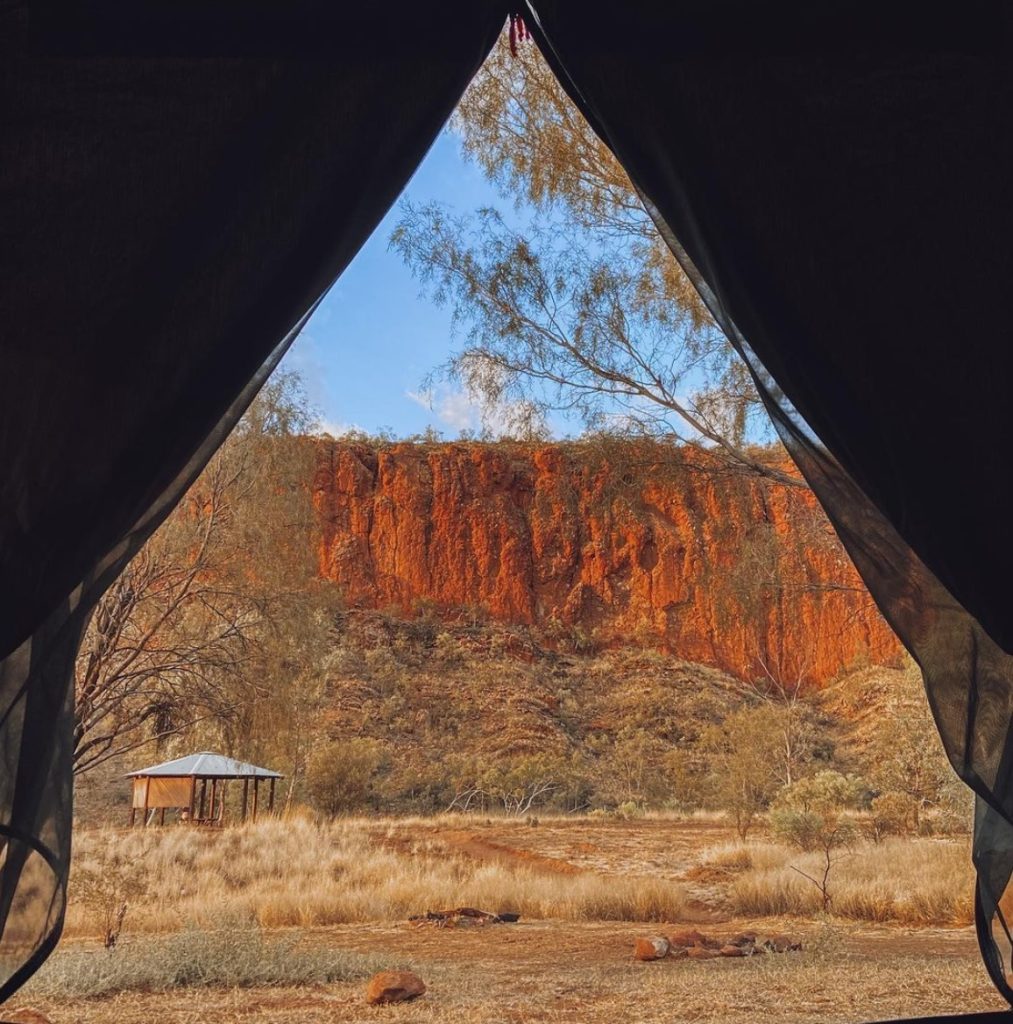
(300, 873)
(285, 919)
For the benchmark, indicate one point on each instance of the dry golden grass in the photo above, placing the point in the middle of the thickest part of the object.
(578, 980)
(908, 881)
(304, 874)
(297, 873)
(558, 965)
(228, 957)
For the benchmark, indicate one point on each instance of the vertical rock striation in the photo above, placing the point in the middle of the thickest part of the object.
(635, 543)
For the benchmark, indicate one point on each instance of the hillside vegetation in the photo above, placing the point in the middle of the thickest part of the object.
(600, 626)
(422, 716)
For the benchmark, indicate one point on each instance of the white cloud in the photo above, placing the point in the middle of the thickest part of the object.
(455, 409)
(463, 409)
(336, 428)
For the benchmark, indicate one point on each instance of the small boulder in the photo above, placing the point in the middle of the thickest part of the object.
(24, 1016)
(653, 948)
(688, 937)
(731, 950)
(394, 987)
(743, 939)
(702, 953)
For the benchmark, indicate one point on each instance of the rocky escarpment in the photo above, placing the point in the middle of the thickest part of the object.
(625, 543)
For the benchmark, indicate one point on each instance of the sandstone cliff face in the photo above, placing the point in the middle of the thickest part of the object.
(638, 545)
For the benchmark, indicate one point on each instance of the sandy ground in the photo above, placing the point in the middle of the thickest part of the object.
(555, 971)
(549, 971)
(659, 847)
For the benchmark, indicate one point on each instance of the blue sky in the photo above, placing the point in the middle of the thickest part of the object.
(373, 339)
(366, 351)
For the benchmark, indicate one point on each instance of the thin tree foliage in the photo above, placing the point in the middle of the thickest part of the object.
(170, 631)
(579, 308)
(212, 623)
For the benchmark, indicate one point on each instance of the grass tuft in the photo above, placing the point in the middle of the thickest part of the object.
(196, 958)
(905, 881)
(300, 874)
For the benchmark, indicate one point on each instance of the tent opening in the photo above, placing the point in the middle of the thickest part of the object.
(186, 185)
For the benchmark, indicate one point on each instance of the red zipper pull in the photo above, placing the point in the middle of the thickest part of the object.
(518, 33)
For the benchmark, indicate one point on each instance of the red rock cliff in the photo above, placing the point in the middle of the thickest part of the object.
(721, 569)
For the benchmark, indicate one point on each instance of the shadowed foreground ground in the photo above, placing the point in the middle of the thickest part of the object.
(549, 971)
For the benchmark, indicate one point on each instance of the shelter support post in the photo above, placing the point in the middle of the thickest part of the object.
(270, 798)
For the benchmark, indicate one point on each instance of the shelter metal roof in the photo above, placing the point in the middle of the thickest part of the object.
(207, 765)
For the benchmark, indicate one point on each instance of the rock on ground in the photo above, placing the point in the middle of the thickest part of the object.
(653, 948)
(23, 1016)
(702, 953)
(394, 987)
(694, 945)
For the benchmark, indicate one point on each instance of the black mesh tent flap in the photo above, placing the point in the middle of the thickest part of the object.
(179, 184)
(835, 179)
